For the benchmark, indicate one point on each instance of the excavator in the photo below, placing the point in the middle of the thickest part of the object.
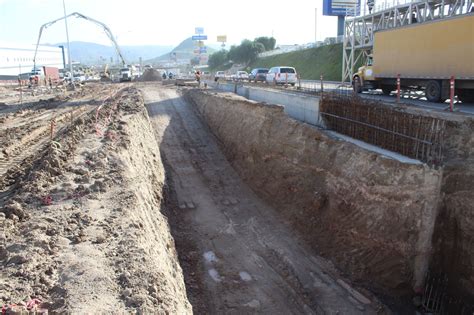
(105, 75)
(107, 31)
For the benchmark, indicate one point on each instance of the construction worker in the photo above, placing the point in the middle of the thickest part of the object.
(198, 77)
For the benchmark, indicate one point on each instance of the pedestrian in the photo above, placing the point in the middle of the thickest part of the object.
(50, 83)
(198, 78)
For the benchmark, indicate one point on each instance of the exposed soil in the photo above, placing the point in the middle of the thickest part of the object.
(82, 230)
(238, 256)
(151, 75)
(370, 214)
(258, 205)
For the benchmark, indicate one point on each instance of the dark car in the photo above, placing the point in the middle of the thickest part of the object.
(258, 74)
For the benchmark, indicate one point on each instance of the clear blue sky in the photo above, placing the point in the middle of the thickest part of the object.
(158, 22)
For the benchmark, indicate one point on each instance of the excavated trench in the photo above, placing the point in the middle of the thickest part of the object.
(386, 221)
(265, 214)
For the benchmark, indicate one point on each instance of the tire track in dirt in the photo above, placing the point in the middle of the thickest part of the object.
(249, 261)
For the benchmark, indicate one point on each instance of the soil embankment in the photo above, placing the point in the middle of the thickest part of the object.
(372, 215)
(82, 225)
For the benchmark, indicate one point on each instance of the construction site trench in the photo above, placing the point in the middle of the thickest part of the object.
(151, 198)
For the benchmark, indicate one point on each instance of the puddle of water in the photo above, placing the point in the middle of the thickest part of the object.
(210, 257)
(214, 275)
(245, 276)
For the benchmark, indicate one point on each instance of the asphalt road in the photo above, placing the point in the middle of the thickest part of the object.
(416, 99)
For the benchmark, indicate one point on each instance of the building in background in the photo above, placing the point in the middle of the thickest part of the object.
(17, 59)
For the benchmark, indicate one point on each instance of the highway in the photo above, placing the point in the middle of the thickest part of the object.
(416, 99)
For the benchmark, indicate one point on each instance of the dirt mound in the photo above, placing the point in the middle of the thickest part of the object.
(83, 232)
(151, 75)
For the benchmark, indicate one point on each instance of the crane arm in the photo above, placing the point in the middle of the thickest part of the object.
(107, 31)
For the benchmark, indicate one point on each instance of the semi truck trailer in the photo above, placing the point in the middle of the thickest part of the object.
(425, 56)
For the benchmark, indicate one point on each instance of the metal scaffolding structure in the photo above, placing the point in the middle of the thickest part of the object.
(359, 30)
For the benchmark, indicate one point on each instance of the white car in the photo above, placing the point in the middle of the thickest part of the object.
(282, 75)
(240, 76)
(219, 75)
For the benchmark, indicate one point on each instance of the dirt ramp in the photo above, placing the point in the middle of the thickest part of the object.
(371, 214)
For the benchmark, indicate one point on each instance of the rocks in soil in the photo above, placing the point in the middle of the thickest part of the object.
(12, 209)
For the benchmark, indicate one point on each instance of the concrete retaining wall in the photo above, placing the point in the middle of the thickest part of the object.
(301, 107)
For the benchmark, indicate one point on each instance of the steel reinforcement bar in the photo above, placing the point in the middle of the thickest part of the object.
(391, 128)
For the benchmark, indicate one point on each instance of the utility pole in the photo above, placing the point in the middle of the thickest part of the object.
(68, 48)
(315, 25)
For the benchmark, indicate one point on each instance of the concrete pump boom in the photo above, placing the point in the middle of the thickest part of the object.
(107, 31)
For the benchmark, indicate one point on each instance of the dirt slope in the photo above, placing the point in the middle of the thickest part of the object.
(239, 257)
(82, 230)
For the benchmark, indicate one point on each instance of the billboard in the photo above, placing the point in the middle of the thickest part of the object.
(199, 37)
(199, 30)
(222, 38)
(340, 7)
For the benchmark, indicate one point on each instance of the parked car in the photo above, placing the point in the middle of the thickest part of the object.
(240, 76)
(219, 75)
(282, 75)
(258, 74)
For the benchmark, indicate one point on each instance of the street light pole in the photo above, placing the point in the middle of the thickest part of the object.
(315, 25)
(68, 48)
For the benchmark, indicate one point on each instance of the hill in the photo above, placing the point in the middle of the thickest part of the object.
(185, 50)
(309, 63)
(92, 53)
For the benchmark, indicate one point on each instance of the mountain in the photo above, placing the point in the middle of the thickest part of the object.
(91, 53)
(185, 50)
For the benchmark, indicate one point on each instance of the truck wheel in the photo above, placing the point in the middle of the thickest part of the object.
(356, 85)
(466, 96)
(433, 91)
(386, 89)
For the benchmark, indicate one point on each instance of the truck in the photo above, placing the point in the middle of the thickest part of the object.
(43, 74)
(128, 73)
(425, 56)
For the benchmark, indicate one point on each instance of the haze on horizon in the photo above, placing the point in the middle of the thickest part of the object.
(142, 22)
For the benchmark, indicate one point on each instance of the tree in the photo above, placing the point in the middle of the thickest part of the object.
(218, 59)
(256, 49)
(267, 42)
(246, 52)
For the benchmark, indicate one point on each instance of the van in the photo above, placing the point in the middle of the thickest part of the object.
(282, 75)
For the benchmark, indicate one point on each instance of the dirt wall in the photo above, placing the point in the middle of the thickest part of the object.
(371, 215)
(454, 234)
